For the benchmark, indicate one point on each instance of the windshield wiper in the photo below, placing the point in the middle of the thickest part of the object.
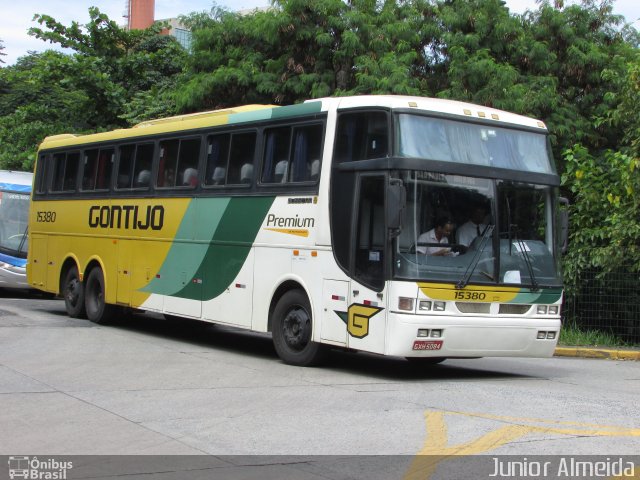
(486, 235)
(522, 247)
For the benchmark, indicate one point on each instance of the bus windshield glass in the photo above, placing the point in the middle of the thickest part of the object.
(478, 144)
(462, 230)
(14, 217)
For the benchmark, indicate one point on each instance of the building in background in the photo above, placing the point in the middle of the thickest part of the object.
(140, 14)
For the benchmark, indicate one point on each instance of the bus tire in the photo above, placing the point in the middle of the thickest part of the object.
(292, 328)
(72, 291)
(97, 310)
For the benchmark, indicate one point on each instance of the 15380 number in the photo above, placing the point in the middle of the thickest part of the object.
(46, 217)
(470, 296)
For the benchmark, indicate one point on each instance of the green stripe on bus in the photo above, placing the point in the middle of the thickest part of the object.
(220, 261)
(297, 110)
(545, 296)
(185, 256)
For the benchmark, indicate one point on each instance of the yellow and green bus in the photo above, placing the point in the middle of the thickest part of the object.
(397, 225)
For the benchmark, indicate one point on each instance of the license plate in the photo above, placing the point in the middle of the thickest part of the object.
(427, 344)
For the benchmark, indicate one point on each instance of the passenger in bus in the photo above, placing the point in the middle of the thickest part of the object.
(169, 178)
(474, 227)
(438, 235)
(190, 177)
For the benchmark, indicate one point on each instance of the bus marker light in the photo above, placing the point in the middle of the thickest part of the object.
(337, 297)
(425, 305)
(296, 253)
(370, 303)
(157, 275)
(439, 306)
(423, 332)
(240, 285)
(551, 335)
(314, 253)
(542, 335)
(405, 303)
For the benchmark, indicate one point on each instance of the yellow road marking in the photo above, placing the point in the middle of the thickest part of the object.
(436, 448)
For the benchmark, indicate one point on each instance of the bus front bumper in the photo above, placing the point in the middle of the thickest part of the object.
(471, 336)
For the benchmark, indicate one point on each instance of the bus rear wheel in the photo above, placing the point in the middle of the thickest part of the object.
(73, 293)
(98, 311)
(292, 328)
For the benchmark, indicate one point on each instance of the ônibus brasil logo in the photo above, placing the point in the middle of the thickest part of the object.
(33, 468)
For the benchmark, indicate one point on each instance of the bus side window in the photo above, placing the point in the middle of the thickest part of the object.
(41, 173)
(144, 160)
(275, 164)
(105, 168)
(188, 162)
(125, 166)
(167, 169)
(217, 157)
(240, 169)
(65, 171)
(307, 151)
(362, 136)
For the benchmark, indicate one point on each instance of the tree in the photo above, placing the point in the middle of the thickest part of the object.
(605, 214)
(2, 54)
(114, 77)
(38, 100)
(114, 65)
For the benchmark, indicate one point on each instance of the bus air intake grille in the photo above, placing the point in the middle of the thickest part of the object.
(513, 309)
(469, 307)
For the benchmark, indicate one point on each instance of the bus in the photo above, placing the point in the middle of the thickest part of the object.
(310, 222)
(15, 190)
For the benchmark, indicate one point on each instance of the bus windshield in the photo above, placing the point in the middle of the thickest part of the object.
(477, 144)
(462, 229)
(14, 217)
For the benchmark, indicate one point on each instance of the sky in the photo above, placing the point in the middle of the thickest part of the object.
(17, 18)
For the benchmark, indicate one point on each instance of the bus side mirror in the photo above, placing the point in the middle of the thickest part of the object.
(396, 202)
(564, 224)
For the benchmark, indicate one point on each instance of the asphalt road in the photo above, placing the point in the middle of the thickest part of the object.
(145, 386)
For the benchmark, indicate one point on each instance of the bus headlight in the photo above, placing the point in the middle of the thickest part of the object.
(406, 304)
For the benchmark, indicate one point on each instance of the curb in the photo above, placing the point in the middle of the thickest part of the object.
(591, 352)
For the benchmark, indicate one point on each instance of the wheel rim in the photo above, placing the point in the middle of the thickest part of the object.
(296, 328)
(72, 292)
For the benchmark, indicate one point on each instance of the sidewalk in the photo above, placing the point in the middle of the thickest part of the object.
(599, 352)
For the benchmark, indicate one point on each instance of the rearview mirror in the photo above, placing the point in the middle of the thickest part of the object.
(396, 202)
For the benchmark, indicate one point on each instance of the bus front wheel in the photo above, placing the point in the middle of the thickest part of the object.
(292, 327)
(73, 292)
(97, 310)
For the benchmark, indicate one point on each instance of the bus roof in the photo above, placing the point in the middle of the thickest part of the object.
(248, 113)
(433, 105)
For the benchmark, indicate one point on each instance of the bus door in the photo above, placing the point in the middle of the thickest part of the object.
(123, 287)
(366, 315)
(38, 264)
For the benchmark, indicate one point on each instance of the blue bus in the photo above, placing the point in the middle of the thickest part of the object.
(15, 190)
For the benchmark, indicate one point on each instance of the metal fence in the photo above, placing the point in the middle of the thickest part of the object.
(606, 302)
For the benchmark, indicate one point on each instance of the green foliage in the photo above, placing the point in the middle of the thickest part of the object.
(605, 215)
(577, 68)
(573, 334)
(114, 77)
